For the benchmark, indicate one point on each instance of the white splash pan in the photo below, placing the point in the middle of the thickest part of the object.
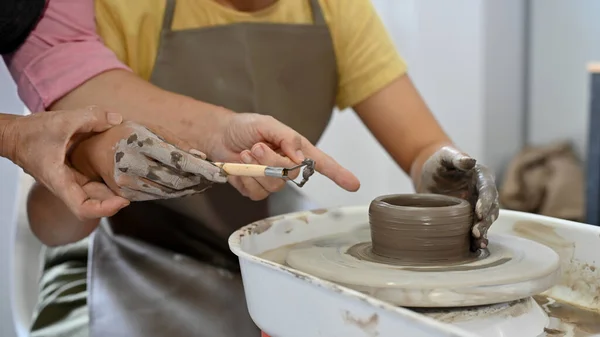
(285, 302)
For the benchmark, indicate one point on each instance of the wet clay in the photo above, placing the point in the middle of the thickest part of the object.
(569, 320)
(511, 268)
(364, 252)
(146, 167)
(420, 229)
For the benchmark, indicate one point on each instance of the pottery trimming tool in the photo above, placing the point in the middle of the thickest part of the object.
(253, 170)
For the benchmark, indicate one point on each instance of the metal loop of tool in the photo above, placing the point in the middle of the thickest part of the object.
(279, 172)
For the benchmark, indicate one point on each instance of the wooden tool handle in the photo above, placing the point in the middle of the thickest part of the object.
(243, 170)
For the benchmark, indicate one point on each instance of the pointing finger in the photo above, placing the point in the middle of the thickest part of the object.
(298, 148)
(330, 168)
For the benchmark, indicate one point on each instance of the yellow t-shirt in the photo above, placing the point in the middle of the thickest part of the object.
(366, 58)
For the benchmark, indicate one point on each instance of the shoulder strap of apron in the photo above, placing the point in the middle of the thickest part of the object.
(165, 31)
(168, 16)
(317, 12)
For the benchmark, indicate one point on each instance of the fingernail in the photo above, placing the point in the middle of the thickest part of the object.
(258, 151)
(114, 118)
(300, 154)
(198, 153)
(246, 158)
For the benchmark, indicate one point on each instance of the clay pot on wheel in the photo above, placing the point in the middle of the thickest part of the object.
(425, 229)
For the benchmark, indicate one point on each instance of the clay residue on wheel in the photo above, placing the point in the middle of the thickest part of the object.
(264, 225)
(569, 320)
(454, 315)
(368, 325)
(302, 218)
(421, 228)
(579, 281)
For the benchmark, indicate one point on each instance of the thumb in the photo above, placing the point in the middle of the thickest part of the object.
(464, 162)
(80, 204)
(454, 158)
(95, 119)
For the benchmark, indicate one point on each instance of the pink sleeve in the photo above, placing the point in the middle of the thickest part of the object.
(62, 53)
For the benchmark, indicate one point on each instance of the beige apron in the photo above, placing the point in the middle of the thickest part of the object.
(166, 269)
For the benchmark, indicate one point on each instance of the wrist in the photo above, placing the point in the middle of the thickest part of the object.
(205, 122)
(9, 136)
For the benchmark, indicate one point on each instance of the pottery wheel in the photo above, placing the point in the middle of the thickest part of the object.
(511, 268)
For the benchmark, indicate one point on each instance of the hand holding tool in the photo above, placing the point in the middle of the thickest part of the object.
(252, 170)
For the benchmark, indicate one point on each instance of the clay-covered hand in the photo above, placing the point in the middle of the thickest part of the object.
(39, 143)
(139, 165)
(259, 139)
(451, 172)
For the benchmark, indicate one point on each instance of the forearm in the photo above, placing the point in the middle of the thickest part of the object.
(52, 222)
(137, 100)
(403, 124)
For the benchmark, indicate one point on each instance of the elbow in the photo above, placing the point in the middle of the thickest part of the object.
(51, 221)
(38, 216)
(33, 206)
(50, 243)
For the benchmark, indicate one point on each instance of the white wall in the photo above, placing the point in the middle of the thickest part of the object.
(565, 37)
(466, 57)
(504, 70)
